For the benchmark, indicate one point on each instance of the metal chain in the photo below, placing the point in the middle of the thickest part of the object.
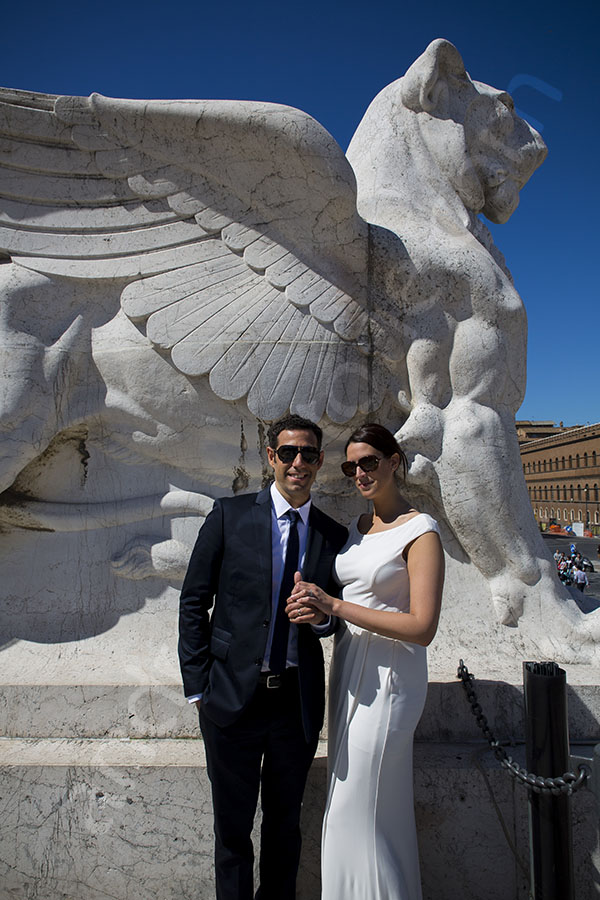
(567, 783)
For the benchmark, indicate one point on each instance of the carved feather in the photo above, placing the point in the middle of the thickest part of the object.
(225, 221)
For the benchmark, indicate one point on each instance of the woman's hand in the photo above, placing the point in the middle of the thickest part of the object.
(308, 603)
(425, 564)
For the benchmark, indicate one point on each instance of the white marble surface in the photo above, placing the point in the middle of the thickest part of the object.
(67, 718)
(125, 829)
(174, 274)
(433, 150)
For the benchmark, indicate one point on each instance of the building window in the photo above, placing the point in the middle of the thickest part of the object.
(563, 462)
(546, 512)
(552, 516)
(577, 461)
(572, 495)
(596, 492)
(558, 515)
(585, 460)
(596, 518)
(579, 492)
(579, 515)
(594, 458)
(570, 461)
(566, 514)
(572, 515)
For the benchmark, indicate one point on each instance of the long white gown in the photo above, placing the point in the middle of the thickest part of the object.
(376, 697)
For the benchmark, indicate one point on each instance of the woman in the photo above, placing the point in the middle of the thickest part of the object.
(391, 571)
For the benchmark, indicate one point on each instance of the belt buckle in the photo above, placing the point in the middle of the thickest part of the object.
(273, 681)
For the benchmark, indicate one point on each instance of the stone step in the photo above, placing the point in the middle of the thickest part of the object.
(131, 820)
(160, 711)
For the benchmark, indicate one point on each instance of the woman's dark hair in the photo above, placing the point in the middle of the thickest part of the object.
(379, 437)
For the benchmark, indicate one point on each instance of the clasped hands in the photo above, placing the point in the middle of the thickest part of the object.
(308, 603)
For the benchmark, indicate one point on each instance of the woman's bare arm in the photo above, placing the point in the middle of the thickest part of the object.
(425, 564)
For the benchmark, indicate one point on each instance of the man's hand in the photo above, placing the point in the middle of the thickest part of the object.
(301, 607)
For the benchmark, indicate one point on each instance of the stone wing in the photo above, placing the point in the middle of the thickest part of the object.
(233, 227)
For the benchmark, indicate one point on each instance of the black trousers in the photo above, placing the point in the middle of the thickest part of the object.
(264, 750)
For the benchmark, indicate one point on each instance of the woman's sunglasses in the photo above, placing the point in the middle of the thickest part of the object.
(366, 463)
(287, 454)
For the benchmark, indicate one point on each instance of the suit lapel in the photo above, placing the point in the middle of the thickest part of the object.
(314, 544)
(261, 521)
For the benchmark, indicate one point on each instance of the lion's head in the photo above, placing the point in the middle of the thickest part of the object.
(443, 130)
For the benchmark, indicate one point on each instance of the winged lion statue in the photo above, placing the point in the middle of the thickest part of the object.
(175, 272)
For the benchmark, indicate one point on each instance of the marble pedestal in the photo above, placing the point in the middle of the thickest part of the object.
(104, 793)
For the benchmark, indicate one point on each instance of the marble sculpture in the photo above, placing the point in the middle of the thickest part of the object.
(171, 270)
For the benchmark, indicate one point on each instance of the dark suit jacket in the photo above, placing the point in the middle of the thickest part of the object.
(221, 655)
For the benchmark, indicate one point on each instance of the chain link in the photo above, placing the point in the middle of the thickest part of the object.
(567, 783)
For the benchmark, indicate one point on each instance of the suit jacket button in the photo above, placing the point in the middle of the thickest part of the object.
(266, 623)
(258, 660)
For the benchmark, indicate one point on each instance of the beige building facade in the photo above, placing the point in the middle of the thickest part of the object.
(528, 430)
(562, 472)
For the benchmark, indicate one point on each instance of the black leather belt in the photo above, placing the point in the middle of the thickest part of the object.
(271, 682)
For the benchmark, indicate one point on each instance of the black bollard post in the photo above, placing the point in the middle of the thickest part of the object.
(547, 733)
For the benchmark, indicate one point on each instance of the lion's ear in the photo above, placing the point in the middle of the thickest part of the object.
(425, 85)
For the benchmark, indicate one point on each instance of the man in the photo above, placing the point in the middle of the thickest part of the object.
(257, 679)
(580, 578)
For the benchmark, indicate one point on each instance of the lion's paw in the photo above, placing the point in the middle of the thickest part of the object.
(421, 471)
(508, 598)
(144, 558)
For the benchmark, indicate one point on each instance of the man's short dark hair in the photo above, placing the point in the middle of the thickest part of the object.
(292, 423)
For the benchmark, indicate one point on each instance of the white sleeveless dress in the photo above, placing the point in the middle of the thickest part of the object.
(376, 695)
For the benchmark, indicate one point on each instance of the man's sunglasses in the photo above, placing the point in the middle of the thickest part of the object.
(287, 454)
(366, 463)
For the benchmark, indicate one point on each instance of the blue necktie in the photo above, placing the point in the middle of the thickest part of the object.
(281, 629)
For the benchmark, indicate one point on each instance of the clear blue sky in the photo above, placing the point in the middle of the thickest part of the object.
(330, 59)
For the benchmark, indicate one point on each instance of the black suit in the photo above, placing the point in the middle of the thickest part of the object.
(243, 722)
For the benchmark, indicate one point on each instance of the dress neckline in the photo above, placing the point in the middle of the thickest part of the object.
(387, 530)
